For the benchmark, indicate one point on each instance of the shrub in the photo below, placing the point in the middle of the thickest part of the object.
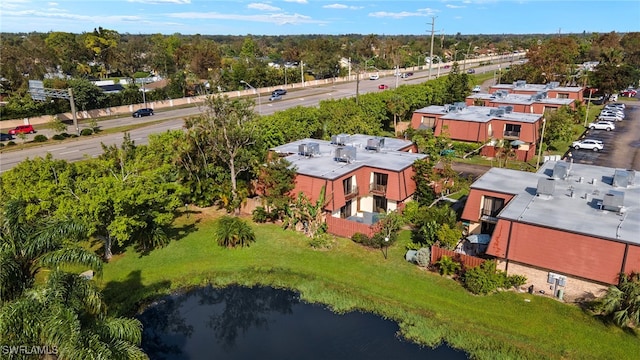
(447, 266)
(40, 138)
(485, 279)
(1, 145)
(58, 137)
(321, 241)
(423, 257)
(515, 281)
(259, 215)
(11, 143)
(233, 231)
(86, 132)
(360, 238)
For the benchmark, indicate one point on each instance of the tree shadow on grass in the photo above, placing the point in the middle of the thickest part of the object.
(126, 297)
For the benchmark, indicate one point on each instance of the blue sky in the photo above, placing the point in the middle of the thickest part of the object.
(290, 17)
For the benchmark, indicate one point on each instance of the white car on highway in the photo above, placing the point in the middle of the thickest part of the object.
(589, 144)
(602, 125)
(609, 117)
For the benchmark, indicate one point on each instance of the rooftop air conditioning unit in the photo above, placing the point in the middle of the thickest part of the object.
(500, 112)
(613, 200)
(521, 83)
(624, 178)
(345, 154)
(508, 109)
(493, 112)
(340, 139)
(309, 149)
(460, 106)
(447, 107)
(546, 186)
(561, 170)
(375, 144)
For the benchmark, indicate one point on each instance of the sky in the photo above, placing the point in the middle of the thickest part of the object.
(333, 17)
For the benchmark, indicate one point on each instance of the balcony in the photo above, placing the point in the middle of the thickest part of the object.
(351, 192)
(378, 189)
(511, 135)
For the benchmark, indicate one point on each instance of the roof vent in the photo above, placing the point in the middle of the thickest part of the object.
(561, 170)
(546, 186)
(521, 83)
(340, 139)
(508, 109)
(345, 154)
(375, 144)
(309, 149)
(613, 200)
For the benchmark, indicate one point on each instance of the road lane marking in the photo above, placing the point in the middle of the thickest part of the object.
(57, 149)
(69, 152)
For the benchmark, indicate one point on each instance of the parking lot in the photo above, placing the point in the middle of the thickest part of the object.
(621, 146)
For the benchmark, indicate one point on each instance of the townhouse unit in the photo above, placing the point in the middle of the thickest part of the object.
(553, 90)
(362, 175)
(532, 104)
(569, 227)
(482, 124)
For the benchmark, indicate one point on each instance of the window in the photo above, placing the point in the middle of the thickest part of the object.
(379, 204)
(512, 130)
(345, 211)
(379, 182)
(562, 96)
(428, 121)
(491, 206)
(350, 190)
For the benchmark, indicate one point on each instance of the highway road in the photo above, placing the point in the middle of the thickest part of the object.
(87, 147)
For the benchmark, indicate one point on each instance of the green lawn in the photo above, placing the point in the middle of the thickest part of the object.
(428, 307)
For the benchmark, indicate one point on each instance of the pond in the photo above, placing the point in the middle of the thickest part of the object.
(262, 322)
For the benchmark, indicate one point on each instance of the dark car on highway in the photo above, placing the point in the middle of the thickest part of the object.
(5, 137)
(142, 112)
(279, 92)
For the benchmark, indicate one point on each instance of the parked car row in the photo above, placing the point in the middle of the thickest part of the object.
(612, 112)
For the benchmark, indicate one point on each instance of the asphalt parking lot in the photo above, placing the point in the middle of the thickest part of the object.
(621, 146)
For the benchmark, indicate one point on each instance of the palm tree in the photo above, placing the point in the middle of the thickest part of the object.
(67, 317)
(622, 302)
(28, 247)
(233, 231)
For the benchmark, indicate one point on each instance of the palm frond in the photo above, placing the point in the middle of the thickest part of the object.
(71, 255)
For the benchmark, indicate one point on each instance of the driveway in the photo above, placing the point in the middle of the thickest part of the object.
(621, 146)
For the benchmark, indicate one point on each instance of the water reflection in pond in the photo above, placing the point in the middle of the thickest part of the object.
(262, 322)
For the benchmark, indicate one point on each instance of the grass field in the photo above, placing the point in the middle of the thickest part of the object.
(429, 308)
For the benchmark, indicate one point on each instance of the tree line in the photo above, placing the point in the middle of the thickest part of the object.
(223, 61)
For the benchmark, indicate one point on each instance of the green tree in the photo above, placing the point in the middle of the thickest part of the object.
(305, 215)
(233, 231)
(447, 266)
(28, 247)
(226, 132)
(67, 315)
(277, 180)
(398, 107)
(622, 302)
(457, 85)
(448, 237)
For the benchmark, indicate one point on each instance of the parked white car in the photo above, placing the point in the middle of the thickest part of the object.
(614, 112)
(589, 144)
(602, 125)
(609, 117)
(374, 77)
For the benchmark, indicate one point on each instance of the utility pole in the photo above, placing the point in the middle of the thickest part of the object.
(433, 23)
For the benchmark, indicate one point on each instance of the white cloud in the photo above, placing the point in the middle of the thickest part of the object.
(157, 2)
(297, 1)
(342, 6)
(455, 6)
(278, 19)
(401, 14)
(53, 4)
(263, 7)
(58, 14)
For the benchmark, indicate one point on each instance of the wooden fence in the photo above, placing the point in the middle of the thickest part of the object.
(466, 260)
(346, 228)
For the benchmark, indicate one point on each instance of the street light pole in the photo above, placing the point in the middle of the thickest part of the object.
(385, 247)
(255, 91)
(586, 115)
